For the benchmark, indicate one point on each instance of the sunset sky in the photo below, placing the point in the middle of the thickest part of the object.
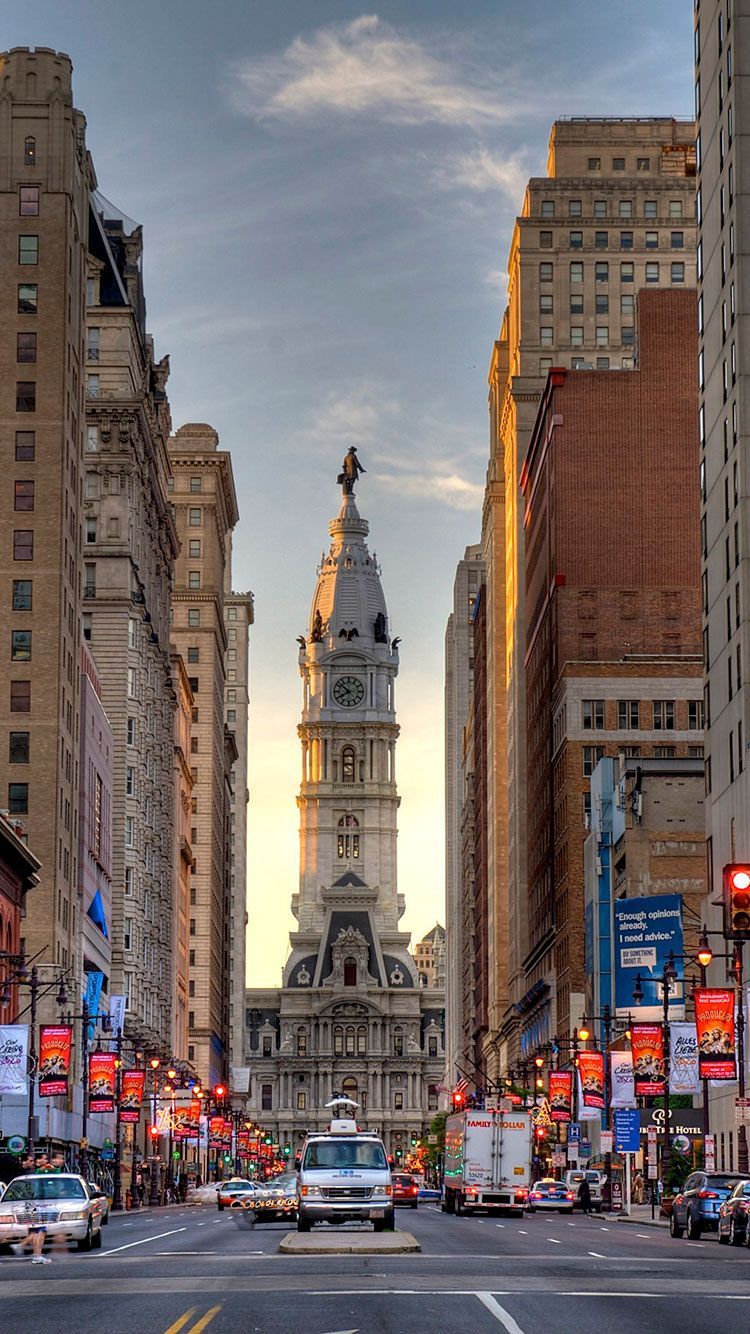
(327, 197)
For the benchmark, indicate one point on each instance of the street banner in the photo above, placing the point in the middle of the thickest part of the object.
(243, 1143)
(714, 1023)
(621, 1079)
(591, 1071)
(92, 996)
(14, 1058)
(226, 1134)
(102, 1081)
(683, 1059)
(647, 1046)
(132, 1087)
(55, 1042)
(646, 932)
(215, 1132)
(560, 1094)
(186, 1122)
(117, 1013)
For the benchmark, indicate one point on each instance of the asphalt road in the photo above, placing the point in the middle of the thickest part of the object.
(182, 1271)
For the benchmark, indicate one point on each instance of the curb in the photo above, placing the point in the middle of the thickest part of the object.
(644, 1222)
(369, 1243)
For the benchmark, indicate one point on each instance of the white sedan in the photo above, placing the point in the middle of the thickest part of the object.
(64, 1204)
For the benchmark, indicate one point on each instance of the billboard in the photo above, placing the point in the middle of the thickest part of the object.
(683, 1059)
(621, 1079)
(646, 931)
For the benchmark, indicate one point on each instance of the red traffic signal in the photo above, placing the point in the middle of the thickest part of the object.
(458, 1099)
(220, 1091)
(736, 887)
(153, 1132)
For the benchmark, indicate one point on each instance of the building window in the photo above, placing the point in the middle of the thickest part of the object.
(591, 757)
(545, 240)
(194, 548)
(650, 209)
(663, 715)
(695, 715)
(25, 446)
(601, 271)
(90, 531)
(348, 764)
(643, 164)
(398, 1101)
(677, 240)
(618, 164)
(20, 645)
(664, 752)
(576, 273)
(196, 484)
(575, 208)
(546, 336)
(130, 781)
(576, 303)
(350, 972)
(677, 272)
(628, 714)
(23, 495)
(398, 1043)
(627, 272)
(545, 304)
(600, 208)
(18, 798)
(28, 250)
(25, 396)
(28, 300)
(20, 697)
(652, 272)
(193, 653)
(626, 240)
(626, 208)
(19, 748)
(266, 1045)
(432, 1047)
(23, 544)
(29, 151)
(548, 208)
(92, 386)
(545, 364)
(546, 273)
(301, 1042)
(627, 337)
(194, 617)
(675, 208)
(89, 580)
(194, 579)
(194, 518)
(22, 594)
(576, 335)
(266, 1097)
(92, 344)
(338, 1041)
(652, 240)
(130, 733)
(301, 1100)
(601, 240)
(592, 715)
(627, 305)
(92, 439)
(595, 164)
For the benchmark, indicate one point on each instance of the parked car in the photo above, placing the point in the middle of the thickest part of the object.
(696, 1206)
(573, 1180)
(405, 1189)
(550, 1194)
(63, 1202)
(734, 1216)
(228, 1191)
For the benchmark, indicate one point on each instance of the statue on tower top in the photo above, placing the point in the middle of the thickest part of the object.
(350, 470)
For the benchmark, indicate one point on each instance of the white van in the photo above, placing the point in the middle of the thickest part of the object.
(596, 1181)
(344, 1176)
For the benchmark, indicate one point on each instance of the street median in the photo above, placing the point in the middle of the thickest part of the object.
(335, 1242)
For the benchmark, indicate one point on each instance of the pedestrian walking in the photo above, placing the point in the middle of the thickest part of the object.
(584, 1195)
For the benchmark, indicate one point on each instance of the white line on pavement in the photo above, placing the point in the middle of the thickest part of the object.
(499, 1312)
(696, 1245)
(499, 1225)
(142, 1242)
(604, 1229)
(643, 1234)
(597, 1255)
(554, 1241)
(571, 1224)
(523, 1234)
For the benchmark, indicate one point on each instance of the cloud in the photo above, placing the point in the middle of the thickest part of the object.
(436, 484)
(357, 417)
(364, 67)
(483, 170)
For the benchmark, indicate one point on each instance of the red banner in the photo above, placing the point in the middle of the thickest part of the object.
(560, 1094)
(714, 1026)
(227, 1134)
(55, 1041)
(132, 1089)
(102, 1081)
(243, 1143)
(215, 1132)
(647, 1046)
(591, 1071)
(186, 1123)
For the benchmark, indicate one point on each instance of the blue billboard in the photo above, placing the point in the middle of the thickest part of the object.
(646, 931)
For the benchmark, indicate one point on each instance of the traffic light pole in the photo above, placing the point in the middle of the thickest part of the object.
(742, 1154)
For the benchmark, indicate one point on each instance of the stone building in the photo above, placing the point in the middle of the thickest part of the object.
(182, 857)
(19, 872)
(612, 620)
(429, 956)
(130, 545)
(205, 512)
(350, 1016)
(614, 214)
(44, 202)
(95, 829)
(238, 617)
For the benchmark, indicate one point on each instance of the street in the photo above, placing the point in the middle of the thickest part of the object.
(189, 1269)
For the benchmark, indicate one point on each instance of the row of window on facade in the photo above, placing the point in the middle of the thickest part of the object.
(348, 1040)
(632, 714)
(593, 754)
(626, 208)
(601, 240)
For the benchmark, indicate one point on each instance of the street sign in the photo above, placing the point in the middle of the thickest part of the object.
(574, 1132)
(585, 1148)
(572, 1153)
(742, 1112)
(558, 1158)
(709, 1153)
(16, 1144)
(606, 1141)
(653, 1172)
(627, 1129)
(432, 1139)
(107, 1155)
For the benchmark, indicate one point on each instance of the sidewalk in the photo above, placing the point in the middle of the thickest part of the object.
(640, 1213)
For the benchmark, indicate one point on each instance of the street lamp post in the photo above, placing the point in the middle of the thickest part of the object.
(669, 975)
(153, 1196)
(23, 976)
(117, 1188)
(742, 1150)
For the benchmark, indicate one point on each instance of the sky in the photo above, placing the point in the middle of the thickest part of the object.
(327, 193)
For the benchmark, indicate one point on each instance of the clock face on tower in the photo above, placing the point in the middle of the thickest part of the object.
(348, 691)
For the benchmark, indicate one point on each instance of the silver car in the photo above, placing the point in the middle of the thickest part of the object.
(63, 1203)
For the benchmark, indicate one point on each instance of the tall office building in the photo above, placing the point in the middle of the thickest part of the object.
(238, 617)
(459, 668)
(722, 60)
(614, 214)
(44, 194)
(205, 512)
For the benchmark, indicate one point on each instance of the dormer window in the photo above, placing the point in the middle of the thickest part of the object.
(350, 973)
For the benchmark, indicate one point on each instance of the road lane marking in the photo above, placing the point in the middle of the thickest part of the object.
(499, 1225)
(571, 1224)
(696, 1245)
(554, 1241)
(597, 1255)
(523, 1234)
(182, 1320)
(204, 1320)
(499, 1312)
(604, 1229)
(142, 1242)
(643, 1234)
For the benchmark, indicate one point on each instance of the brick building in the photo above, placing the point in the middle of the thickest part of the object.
(612, 616)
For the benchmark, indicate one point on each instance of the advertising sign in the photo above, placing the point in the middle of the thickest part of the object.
(55, 1041)
(683, 1059)
(621, 1079)
(647, 1047)
(117, 1013)
(709, 1153)
(646, 931)
(714, 1023)
(606, 1143)
(215, 1132)
(102, 1081)
(591, 1072)
(186, 1122)
(627, 1130)
(131, 1096)
(560, 1094)
(14, 1061)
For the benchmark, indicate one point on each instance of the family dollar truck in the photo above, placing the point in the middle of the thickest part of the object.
(487, 1161)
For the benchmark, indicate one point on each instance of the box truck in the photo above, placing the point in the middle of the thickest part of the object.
(487, 1161)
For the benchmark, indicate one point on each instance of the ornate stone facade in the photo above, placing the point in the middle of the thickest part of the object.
(350, 1016)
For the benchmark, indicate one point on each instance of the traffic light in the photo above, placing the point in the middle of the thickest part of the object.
(220, 1091)
(154, 1132)
(287, 1150)
(399, 1152)
(414, 1141)
(736, 885)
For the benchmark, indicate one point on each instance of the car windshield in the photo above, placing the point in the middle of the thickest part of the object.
(720, 1183)
(344, 1153)
(45, 1188)
(286, 1182)
(402, 1181)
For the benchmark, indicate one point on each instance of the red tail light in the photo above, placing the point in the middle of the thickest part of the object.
(707, 1195)
(568, 1195)
(415, 1190)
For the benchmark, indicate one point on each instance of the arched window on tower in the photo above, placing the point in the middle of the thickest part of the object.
(29, 152)
(350, 1042)
(347, 845)
(350, 973)
(349, 1088)
(338, 1041)
(348, 764)
(362, 1040)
